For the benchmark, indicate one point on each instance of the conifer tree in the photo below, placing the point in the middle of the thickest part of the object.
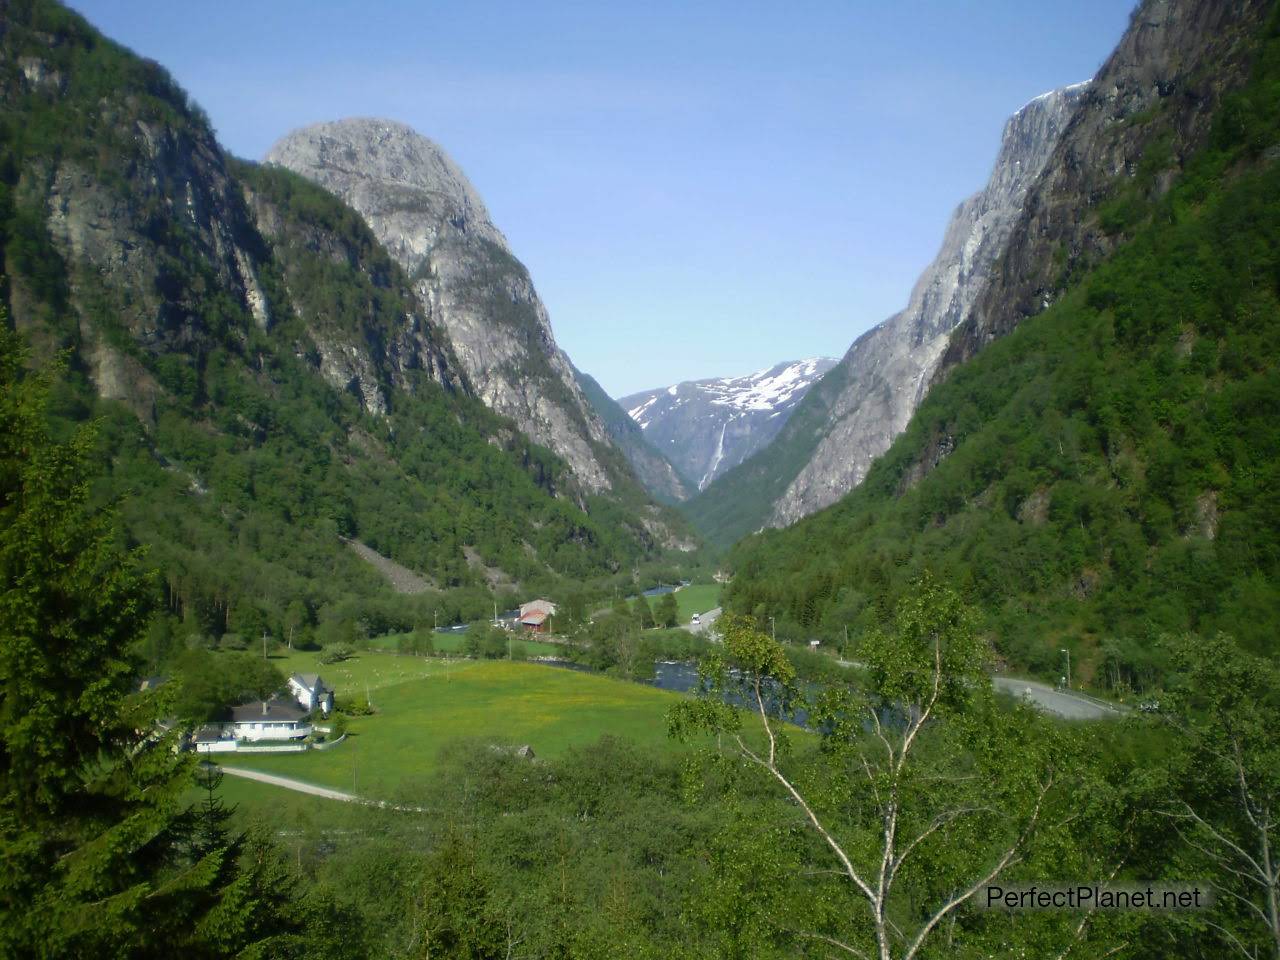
(101, 855)
(642, 612)
(668, 612)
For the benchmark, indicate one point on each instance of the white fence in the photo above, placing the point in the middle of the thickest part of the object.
(216, 746)
(239, 746)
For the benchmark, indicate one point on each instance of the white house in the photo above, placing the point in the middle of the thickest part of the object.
(274, 719)
(311, 693)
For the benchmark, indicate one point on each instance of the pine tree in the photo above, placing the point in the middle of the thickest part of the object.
(642, 612)
(668, 612)
(101, 855)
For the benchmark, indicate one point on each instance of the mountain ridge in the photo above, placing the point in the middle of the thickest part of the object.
(1099, 476)
(852, 415)
(434, 223)
(689, 422)
(267, 379)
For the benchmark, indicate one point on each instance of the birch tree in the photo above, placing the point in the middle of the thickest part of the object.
(922, 793)
(1225, 796)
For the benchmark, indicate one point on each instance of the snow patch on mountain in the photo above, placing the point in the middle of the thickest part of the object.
(706, 427)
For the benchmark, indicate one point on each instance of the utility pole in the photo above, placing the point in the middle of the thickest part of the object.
(435, 619)
(1068, 653)
(495, 613)
(844, 651)
(264, 643)
(773, 627)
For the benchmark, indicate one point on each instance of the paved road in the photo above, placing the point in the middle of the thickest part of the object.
(290, 784)
(707, 619)
(1064, 704)
(1070, 706)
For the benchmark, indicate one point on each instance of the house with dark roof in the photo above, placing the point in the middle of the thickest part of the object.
(274, 719)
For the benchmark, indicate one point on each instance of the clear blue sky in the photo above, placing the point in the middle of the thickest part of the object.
(699, 188)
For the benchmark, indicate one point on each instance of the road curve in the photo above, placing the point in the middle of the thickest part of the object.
(301, 786)
(706, 620)
(1060, 702)
(1069, 706)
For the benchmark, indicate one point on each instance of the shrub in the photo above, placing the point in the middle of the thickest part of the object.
(337, 653)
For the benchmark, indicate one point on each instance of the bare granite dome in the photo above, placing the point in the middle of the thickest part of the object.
(405, 185)
(432, 221)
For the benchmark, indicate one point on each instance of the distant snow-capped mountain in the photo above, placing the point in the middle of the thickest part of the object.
(705, 427)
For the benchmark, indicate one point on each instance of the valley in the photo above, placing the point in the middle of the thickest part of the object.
(346, 614)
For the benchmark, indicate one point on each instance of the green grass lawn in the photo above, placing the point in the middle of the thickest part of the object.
(695, 598)
(453, 643)
(371, 671)
(513, 703)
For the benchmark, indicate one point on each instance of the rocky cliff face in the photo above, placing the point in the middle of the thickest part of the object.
(432, 221)
(707, 427)
(1161, 86)
(290, 385)
(887, 370)
(653, 469)
(852, 415)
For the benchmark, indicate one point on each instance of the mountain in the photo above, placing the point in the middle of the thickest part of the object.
(1186, 53)
(867, 399)
(706, 427)
(653, 470)
(272, 387)
(1099, 472)
(430, 218)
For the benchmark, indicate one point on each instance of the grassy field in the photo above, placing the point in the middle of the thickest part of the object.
(369, 671)
(695, 598)
(453, 643)
(513, 703)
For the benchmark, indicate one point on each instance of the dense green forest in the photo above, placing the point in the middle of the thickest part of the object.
(178, 477)
(232, 457)
(121, 846)
(1105, 474)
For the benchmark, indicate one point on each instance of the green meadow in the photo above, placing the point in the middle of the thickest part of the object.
(695, 598)
(423, 704)
(455, 643)
(368, 671)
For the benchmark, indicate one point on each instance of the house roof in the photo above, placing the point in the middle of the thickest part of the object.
(209, 733)
(310, 681)
(543, 606)
(534, 619)
(276, 710)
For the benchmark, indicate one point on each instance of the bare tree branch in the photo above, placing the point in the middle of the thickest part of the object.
(1009, 857)
(843, 857)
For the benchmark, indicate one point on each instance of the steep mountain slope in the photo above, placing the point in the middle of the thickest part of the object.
(430, 218)
(269, 380)
(654, 470)
(707, 427)
(1149, 109)
(1106, 472)
(867, 400)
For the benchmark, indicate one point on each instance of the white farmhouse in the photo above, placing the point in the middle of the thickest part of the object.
(274, 719)
(311, 693)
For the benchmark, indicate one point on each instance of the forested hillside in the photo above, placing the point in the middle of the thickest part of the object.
(269, 384)
(652, 468)
(1107, 472)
